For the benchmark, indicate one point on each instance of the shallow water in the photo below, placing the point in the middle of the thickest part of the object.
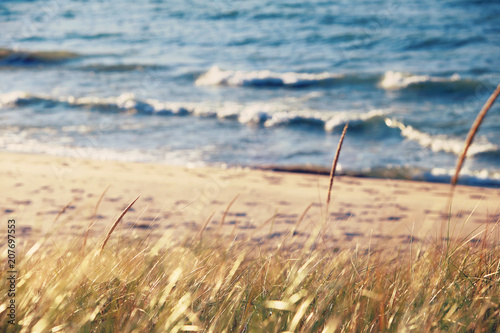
(254, 83)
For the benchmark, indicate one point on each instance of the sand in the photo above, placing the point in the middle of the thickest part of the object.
(177, 201)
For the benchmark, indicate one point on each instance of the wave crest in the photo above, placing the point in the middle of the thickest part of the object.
(399, 80)
(216, 76)
(269, 114)
(440, 143)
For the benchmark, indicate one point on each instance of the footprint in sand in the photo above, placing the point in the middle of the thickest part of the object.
(143, 226)
(238, 214)
(408, 239)
(246, 226)
(478, 196)
(382, 236)
(22, 202)
(342, 216)
(350, 235)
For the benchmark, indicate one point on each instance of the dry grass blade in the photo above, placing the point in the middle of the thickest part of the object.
(461, 159)
(227, 210)
(299, 221)
(63, 210)
(94, 215)
(116, 223)
(200, 233)
(334, 165)
(472, 132)
(303, 215)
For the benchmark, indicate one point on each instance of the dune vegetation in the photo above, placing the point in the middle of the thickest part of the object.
(231, 285)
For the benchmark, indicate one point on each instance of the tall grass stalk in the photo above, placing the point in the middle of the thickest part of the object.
(472, 132)
(113, 226)
(461, 159)
(334, 166)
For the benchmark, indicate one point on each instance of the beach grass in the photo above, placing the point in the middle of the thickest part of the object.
(232, 285)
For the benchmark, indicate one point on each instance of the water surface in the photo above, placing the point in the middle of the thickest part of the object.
(254, 83)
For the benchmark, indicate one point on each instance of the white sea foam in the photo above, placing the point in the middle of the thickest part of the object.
(269, 114)
(344, 117)
(278, 115)
(17, 140)
(473, 177)
(440, 143)
(280, 112)
(217, 76)
(399, 80)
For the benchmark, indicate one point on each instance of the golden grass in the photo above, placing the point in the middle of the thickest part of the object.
(93, 220)
(167, 287)
(334, 165)
(468, 142)
(116, 223)
(227, 210)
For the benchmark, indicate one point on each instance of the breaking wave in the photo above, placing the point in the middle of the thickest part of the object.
(441, 143)
(265, 114)
(269, 114)
(392, 80)
(216, 76)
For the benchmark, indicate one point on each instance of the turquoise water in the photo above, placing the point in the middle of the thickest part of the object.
(254, 83)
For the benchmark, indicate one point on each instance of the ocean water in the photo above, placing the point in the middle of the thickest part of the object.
(255, 83)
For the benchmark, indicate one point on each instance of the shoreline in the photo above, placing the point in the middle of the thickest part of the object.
(384, 173)
(476, 178)
(57, 196)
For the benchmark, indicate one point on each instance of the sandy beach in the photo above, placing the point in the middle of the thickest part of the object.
(178, 201)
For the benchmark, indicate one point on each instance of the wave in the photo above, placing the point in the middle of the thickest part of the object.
(14, 58)
(390, 80)
(441, 142)
(120, 67)
(216, 76)
(271, 114)
(16, 141)
(32, 58)
(443, 42)
(400, 80)
(485, 178)
(102, 35)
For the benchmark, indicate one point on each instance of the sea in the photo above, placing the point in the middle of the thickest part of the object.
(255, 83)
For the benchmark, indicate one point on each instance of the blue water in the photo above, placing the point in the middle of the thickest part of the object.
(254, 83)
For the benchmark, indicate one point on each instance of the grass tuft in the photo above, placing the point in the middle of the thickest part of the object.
(211, 287)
